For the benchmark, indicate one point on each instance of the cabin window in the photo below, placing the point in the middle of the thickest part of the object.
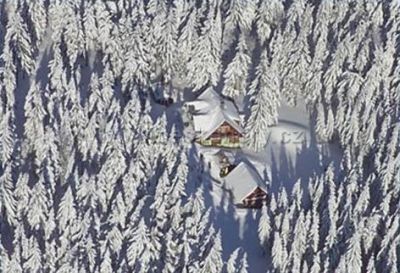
(235, 139)
(215, 141)
(205, 142)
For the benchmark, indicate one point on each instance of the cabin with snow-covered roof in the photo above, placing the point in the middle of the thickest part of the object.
(216, 120)
(248, 189)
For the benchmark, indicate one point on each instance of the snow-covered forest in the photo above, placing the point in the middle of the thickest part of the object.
(97, 177)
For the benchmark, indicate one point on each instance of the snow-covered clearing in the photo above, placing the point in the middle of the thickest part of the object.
(292, 153)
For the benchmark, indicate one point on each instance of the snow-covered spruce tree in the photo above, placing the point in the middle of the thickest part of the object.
(34, 128)
(239, 18)
(16, 54)
(264, 228)
(187, 40)
(158, 12)
(8, 199)
(136, 65)
(268, 18)
(55, 12)
(237, 262)
(38, 16)
(167, 45)
(19, 39)
(213, 261)
(73, 31)
(103, 23)
(265, 102)
(240, 15)
(235, 75)
(205, 64)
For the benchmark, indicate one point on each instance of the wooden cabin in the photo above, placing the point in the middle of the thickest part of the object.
(247, 188)
(216, 121)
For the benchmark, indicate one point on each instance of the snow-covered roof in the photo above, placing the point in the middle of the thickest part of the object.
(243, 180)
(211, 110)
(209, 100)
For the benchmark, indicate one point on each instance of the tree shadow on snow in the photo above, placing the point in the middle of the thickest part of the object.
(312, 158)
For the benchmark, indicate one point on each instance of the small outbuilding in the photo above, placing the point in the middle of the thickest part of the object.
(160, 96)
(248, 189)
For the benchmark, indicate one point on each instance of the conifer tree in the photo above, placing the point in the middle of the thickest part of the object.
(205, 64)
(18, 38)
(236, 72)
(264, 107)
(213, 261)
(268, 17)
